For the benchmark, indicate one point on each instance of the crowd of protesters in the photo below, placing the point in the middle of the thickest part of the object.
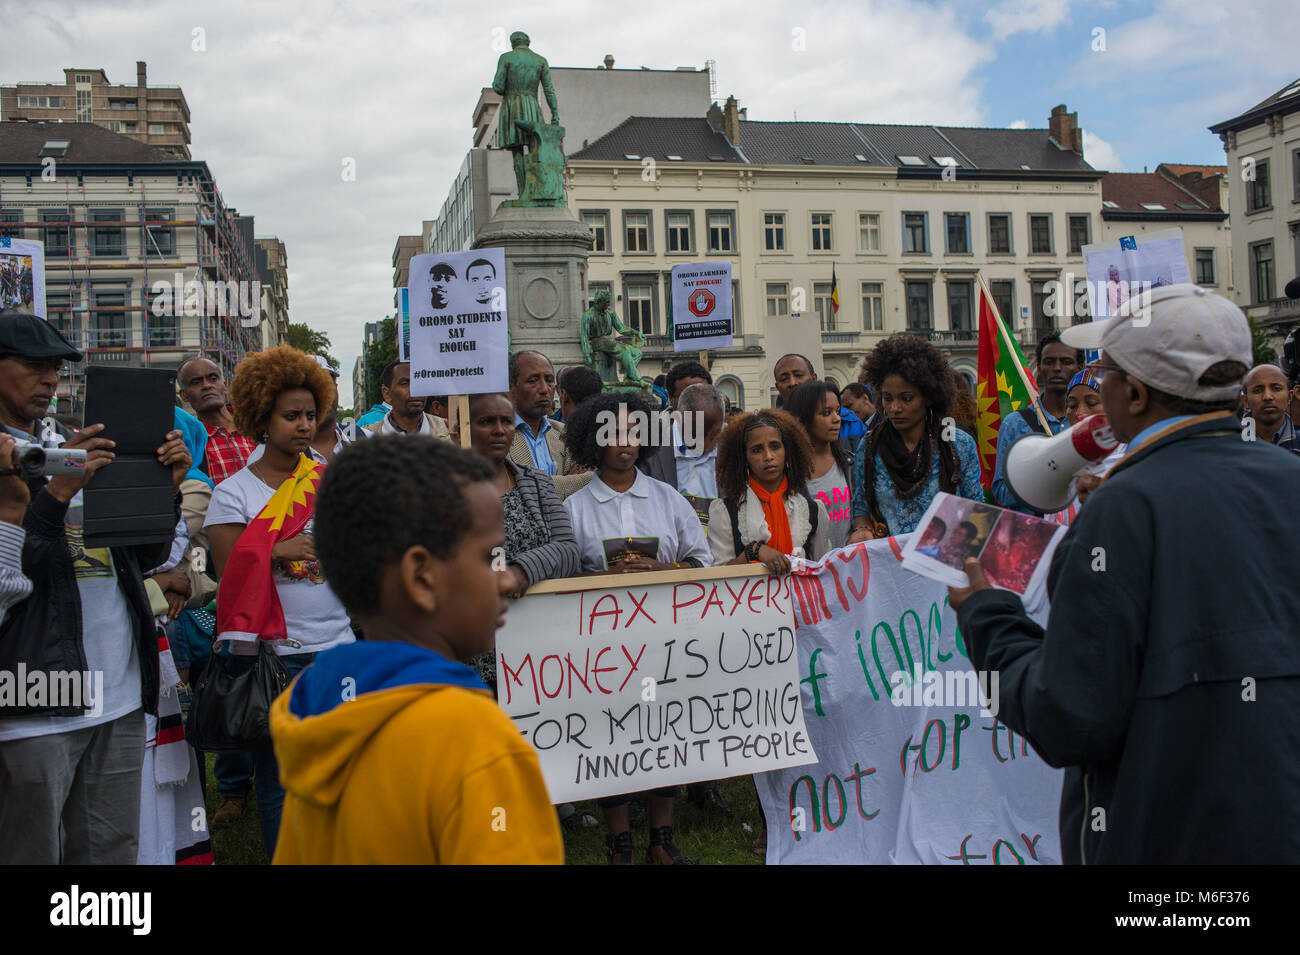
(545, 492)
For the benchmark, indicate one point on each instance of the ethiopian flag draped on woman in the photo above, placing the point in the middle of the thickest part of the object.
(248, 607)
(1005, 384)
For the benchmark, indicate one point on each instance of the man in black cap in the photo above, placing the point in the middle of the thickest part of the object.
(70, 757)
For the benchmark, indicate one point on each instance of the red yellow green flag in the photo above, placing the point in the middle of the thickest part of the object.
(1005, 384)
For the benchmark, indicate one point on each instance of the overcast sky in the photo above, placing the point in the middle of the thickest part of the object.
(282, 93)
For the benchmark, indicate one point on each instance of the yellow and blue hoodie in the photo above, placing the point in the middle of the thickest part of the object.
(391, 753)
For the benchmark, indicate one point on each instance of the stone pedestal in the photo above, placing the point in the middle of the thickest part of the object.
(546, 267)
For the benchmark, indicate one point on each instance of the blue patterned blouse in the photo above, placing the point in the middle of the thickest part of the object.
(903, 516)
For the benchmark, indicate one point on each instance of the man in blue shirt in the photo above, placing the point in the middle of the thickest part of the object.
(1057, 363)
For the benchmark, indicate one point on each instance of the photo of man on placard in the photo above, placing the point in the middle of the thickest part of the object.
(482, 276)
(441, 275)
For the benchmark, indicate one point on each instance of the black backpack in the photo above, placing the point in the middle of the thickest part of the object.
(733, 511)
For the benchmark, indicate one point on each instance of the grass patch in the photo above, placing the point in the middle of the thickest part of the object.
(709, 838)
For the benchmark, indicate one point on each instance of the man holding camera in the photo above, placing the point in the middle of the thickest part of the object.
(1168, 677)
(80, 655)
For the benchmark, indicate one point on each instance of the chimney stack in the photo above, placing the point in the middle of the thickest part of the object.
(731, 121)
(1064, 129)
(609, 61)
(139, 74)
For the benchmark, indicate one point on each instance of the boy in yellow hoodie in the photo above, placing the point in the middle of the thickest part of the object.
(390, 751)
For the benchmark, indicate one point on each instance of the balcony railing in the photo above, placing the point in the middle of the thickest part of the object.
(840, 338)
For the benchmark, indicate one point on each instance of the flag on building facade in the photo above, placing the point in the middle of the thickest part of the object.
(1005, 384)
(835, 293)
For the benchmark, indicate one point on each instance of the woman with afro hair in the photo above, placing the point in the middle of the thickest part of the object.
(277, 395)
(763, 512)
(910, 454)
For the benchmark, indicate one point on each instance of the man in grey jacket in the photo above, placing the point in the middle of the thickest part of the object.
(1168, 677)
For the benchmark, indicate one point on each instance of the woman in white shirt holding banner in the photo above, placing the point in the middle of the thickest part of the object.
(627, 522)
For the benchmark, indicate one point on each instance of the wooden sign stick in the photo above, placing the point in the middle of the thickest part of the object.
(461, 403)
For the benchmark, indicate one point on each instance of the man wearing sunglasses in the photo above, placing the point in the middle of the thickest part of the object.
(1168, 677)
(70, 757)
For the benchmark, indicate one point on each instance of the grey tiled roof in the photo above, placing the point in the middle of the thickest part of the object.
(88, 143)
(659, 137)
(796, 143)
(1009, 149)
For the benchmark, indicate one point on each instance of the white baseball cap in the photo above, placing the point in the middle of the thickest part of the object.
(320, 360)
(1168, 337)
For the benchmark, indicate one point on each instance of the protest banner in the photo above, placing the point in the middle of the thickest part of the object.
(22, 276)
(913, 768)
(702, 315)
(403, 324)
(459, 325)
(630, 682)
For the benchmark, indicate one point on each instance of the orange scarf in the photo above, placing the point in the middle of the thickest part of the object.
(774, 513)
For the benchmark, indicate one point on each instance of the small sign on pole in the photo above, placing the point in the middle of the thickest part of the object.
(702, 312)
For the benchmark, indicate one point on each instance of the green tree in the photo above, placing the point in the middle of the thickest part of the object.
(1265, 353)
(312, 342)
(378, 355)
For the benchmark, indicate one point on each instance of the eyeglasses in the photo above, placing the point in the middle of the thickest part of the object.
(40, 364)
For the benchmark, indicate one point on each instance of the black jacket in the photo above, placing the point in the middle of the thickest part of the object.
(1168, 678)
(44, 632)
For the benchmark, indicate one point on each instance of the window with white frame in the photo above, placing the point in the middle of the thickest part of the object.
(873, 306)
(777, 295)
(678, 225)
(598, 223)
(821, 232)
(868, 232)
(823, 306)
(774, 231)
(721, 227)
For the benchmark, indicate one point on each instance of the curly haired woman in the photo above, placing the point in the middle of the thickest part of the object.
(763, 511)
(909, 455)
(276, 395)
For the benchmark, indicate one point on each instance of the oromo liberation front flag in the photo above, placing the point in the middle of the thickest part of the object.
(1005, 383)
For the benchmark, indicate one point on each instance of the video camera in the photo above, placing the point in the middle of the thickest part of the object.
(35, 461)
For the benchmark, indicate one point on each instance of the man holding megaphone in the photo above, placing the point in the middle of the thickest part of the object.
(1168, 676)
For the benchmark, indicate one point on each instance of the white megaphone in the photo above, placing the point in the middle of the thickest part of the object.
(1040, 468)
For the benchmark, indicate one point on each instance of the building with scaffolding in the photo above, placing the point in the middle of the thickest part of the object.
(145, 264)
(153, 115)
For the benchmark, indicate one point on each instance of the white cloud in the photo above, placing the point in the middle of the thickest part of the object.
(1018, 124)
(1101, 154)
(1026, 16)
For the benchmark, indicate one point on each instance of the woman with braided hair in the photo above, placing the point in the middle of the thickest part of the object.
(914, 449)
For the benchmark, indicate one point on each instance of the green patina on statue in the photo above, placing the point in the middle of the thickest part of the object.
(601, 329)
(539, 171)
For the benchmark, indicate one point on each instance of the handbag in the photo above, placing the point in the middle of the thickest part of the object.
(231, 712)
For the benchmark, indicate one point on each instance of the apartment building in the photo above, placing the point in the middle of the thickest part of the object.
(154, 115)
(1263, 147)
(136, 241)
(904, 217)
(273, 272)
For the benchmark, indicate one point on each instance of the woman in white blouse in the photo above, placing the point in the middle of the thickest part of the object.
(627, 522)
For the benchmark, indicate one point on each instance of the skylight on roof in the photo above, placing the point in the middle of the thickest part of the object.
(808, 160)
(631, 156)
(674, 158)
(1153, 207)
(944, 160)
(859, 157)
(1289, 91)
(1109, 205)
(1188, 205)
(911, 160)
(55, 147)
(714, 157)
(1023, 166)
